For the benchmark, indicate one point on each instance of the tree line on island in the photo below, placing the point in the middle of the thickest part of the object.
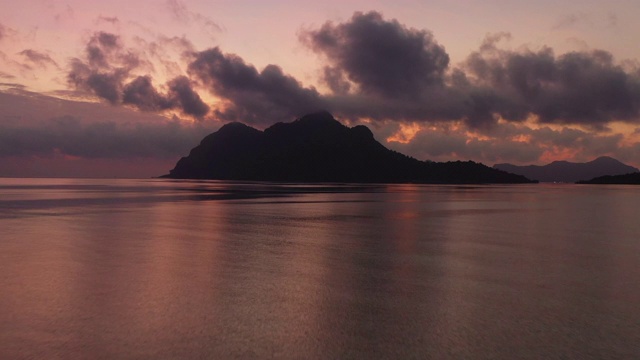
(318, 148)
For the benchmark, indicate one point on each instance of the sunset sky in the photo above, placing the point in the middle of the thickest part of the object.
(125, 88)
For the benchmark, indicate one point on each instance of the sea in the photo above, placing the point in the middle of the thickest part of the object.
(177, 269)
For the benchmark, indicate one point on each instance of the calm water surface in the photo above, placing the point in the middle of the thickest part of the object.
(160, 269)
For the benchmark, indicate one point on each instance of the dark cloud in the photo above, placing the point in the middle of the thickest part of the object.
(3, 31)
(252, 96)
(102, 49)
(385, 72)
(105, 83)
(38, 125)
(38, 58)
(104, 68)
(377, 69)
(575, 88)
(380, 69)
(182, 92)
(334, 78)
(107, 71)
(141, 93)
(383, 57)
(442, 103)
(69, 136)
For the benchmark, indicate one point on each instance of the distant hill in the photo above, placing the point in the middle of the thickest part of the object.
(318, 148)
(629, 179)
(570, 172)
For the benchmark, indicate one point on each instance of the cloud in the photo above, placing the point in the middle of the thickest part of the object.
(569, 20)
(12, 85)
(67, 14)
(375, 68)
(67, 135)
(251, 95)
(107, 71)
(334, 78)
(443, 141)
(105, 84)
(38, 125)
(190, 102)
(382, 57)
(381, 69)
(105, 66)
(180, 12)
(389, 74)
(6, 32)
(586, 88)
(142, 93)
(248, 94)
(38, 58)
(113, 20)
(509, 142)
(166, 53)
(106, 50)
(163, 46)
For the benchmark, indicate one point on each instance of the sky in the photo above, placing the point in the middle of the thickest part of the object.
(125, 88)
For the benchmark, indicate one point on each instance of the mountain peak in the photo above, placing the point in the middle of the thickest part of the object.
(605, 159)
(232, 130)
(320, 116)
(318, 120)
(318, 148)
(235, 126)
(362, 131)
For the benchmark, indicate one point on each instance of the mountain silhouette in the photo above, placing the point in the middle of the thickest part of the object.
(628, 179)
(570, 172)
(318, 148)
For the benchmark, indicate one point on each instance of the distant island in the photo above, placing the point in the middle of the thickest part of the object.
(625, 179)
(318, 148)
(570, 172)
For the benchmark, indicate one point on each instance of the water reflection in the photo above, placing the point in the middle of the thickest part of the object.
(164, 269)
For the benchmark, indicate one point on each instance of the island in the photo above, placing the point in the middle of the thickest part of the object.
(570, 172)
(625, 179)
(318, 148)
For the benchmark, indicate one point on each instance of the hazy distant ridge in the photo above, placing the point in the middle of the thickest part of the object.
(318, 148)
(564, 171)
